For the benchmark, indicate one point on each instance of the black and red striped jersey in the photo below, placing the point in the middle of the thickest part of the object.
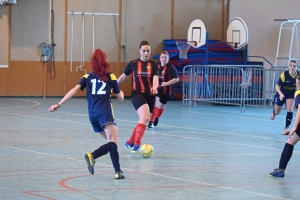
(166, 73)
(142, 74)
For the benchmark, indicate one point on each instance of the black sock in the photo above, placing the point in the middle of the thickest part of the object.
(114, 156)
(101, 151)
(286, 155)
(288, 119)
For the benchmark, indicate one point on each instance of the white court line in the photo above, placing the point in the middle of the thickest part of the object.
(205, 130)
(188, 128)
(179, 136)
(150, 173)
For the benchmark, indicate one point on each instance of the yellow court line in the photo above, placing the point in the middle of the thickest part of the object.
(36, 104)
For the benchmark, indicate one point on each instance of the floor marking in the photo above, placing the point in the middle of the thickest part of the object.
(155, 174)
(196, 129)
(216, 141)
(36, 104)
(179, 136)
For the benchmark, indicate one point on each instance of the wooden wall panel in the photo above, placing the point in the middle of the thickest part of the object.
(139, 20)
(73, 77)
(3, 81)
(56, 86)
(26, 78)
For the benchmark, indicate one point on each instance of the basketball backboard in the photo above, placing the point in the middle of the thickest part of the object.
(237, 33)
(196, 33)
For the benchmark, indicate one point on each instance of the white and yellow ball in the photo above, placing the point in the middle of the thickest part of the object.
(146, 150)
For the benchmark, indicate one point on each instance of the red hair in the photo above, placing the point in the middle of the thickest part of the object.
(99, 65)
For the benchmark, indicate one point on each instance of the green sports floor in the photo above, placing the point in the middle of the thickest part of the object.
(204, 152)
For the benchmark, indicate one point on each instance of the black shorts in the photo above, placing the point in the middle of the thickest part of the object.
(138, 99)
(163, 98)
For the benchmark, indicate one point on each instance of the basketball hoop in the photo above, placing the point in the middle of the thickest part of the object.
(234, 45)
(183, 47)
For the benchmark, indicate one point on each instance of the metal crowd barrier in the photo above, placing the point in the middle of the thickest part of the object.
(240, 85)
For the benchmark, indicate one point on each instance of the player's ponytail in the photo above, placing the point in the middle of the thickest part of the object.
(99, 64)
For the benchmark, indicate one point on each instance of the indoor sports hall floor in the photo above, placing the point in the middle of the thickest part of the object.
(203, 152)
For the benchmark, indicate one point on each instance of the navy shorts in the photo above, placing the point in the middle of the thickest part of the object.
(163, 98)
(138, 99)
(298, 130)
(98, 126)
(277, 100)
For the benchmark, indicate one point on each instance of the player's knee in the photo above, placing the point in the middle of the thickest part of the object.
(112, 146)
(145, 118)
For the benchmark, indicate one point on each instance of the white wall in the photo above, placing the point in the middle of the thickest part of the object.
(263, 30)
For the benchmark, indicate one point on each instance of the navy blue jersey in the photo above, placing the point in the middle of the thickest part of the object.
(287, 83)
(297, 99)
(166, 73)
(142, 74)
(98, 95)
(297, 102)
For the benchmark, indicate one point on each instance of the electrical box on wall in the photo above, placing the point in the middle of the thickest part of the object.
(5, 2)
(46, 52)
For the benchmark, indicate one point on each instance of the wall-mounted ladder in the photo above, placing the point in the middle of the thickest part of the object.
(289, 25)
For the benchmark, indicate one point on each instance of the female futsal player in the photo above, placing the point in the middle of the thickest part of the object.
(144, 87)
(294, 137)
(285, 89)
(99, 84)
(167, 76)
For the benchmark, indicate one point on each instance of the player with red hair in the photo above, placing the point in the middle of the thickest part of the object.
(99, 84)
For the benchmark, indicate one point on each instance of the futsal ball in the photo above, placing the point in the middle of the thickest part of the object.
(146, 150)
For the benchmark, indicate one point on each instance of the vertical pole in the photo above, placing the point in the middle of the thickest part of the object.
(190, 86)
(72, 42)
(66, 45)
(206, 49)
(44, 80)
(291, 45)
(245, 55)
(223, 20)
(119, 37)
(297, 41)
(172, 20)
(93, 40)
(9, 51)
(278, 43)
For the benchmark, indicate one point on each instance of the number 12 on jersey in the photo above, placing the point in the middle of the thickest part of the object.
(101, 89)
